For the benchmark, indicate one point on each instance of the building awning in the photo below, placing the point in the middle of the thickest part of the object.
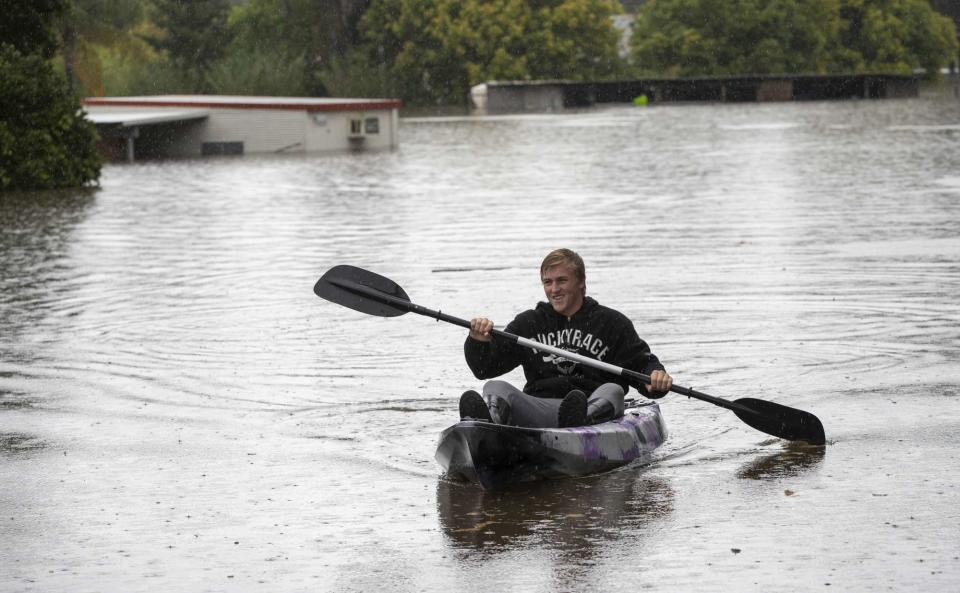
(128, 118)
(125, 123)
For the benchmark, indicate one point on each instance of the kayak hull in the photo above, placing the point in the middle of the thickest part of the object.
(496, 455)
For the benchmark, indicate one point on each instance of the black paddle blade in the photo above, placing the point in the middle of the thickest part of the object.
(362, 291)
(781, 421)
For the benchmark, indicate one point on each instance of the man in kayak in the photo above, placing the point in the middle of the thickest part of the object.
(559, 392)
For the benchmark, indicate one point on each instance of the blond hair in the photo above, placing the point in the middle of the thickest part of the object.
(565, 256)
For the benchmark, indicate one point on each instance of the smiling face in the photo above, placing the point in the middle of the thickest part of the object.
(563, 289)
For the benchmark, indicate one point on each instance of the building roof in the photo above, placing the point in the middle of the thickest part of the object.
(246, 102)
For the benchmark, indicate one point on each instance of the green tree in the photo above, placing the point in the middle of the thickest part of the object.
(436, 49)
(44, 141)
(271, 35)
(301, 41)
(87, 25)
(30, 26)
(267, 73)
(193, 35)
(717, 37)
(105, 50)
(357, 75)
(896, 36)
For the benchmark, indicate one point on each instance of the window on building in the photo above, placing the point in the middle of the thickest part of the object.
(221, 148)
(372, 125)
(356, 127)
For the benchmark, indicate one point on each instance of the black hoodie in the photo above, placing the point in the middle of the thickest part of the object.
(594, 331)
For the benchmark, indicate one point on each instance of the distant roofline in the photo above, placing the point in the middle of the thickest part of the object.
(247, 102)
(722, 77)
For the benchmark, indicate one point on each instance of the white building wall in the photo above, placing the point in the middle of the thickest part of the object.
(332, 130)
(274, 130)
(325, 131)
(260, 130)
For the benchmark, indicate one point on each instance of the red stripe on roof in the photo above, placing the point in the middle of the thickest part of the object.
(358, 106)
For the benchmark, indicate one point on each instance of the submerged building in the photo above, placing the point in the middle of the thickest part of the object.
(171, 126)
(551, 95)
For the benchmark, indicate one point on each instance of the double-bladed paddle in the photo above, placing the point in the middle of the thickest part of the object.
(373, 294)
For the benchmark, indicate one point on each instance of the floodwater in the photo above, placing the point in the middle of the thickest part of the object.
(179, 412)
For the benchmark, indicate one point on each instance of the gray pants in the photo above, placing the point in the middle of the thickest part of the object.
(509, 405)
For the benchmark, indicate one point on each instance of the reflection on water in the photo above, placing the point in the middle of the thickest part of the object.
(574, 531)
(575, 515)
(18, 444)
(13, 400)
(35, 243)
(792, 461)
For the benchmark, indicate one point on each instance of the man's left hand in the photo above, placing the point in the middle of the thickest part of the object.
(660, 382)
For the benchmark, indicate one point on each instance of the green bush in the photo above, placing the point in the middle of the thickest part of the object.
(354, 75)
(30, 25)
(722, 37)
(193, 36)
(45, 142)
(139, 72)
(436, 50)
(266, 73)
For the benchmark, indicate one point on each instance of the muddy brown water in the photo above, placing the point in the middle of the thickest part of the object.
(178, 412)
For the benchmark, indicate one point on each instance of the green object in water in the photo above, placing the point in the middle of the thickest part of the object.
(640, 101)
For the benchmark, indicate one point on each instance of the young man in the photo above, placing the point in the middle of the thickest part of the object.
(556, 389)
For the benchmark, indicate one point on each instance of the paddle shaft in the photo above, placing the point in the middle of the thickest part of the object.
(573, 356)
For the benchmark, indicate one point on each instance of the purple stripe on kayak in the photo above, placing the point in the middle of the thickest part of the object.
(631, 453)
(591, 445)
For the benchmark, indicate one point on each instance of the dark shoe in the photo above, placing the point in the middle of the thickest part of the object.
(573, 410)
(473, 407)
(600, 410)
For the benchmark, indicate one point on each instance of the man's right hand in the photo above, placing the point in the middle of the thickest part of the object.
(481, 329)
